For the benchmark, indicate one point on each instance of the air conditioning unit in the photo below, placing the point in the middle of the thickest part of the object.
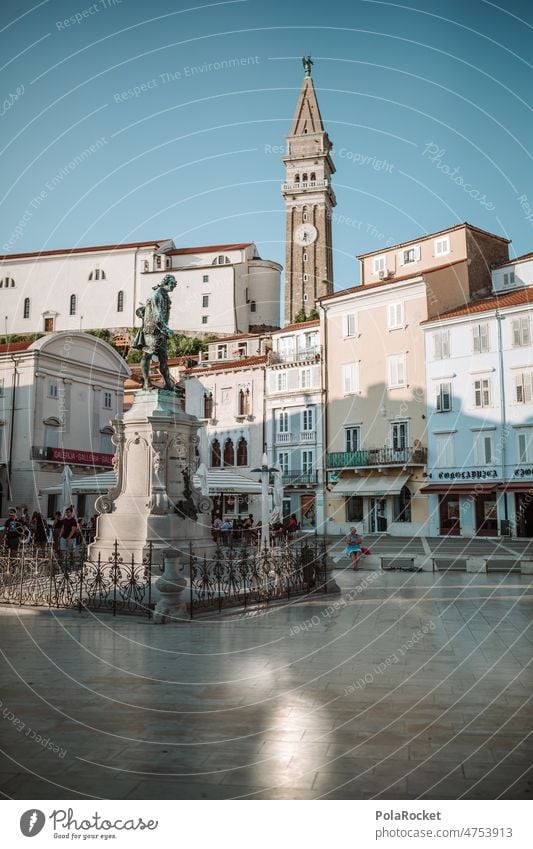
(384, 275)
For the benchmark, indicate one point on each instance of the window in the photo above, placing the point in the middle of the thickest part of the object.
(158, 261)
(441, 345)
(146, 267)
(305, 378)
(99, 274)
(305, 257)
(205, 278)
(221, 259)
(73, 304)
(444, 397)
(401, 506)
(482, 392)
(204, 319)
(480, 336)
(350, 328)
(521, 332)
(399, 436)
(395, 313)
(26, 312)
(244, 401)
(120, 301)
(306, 278)
(307, 462)
(442, 246)
(525, 446)
(225, 396)
(281, 381)
(304, 212)
(242, 452)
(48, 324)
(283, 422)
(313, 177)
(397, 370)
(205, 301)
(350, 378)
(445, 453)
(286, 348)
(410, 255)
(108, 400)
(311, 341)
(524, 387)
(253, 306)
(354, 508)
(222, 352)
(283, 462)
(352, 438)
(307, 419)
(167, 262)
(484, 454)
(51, 436)
(53, 389)
(208, 405)
(508, 278)
(7, 283)
(379, 264)
(229, 453)
(216, 457)
(106, 446)
(2, 391)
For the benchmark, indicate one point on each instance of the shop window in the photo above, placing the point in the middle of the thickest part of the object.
(354, 508)
(401, 506)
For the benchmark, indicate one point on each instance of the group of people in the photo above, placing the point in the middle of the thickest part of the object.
(64, 532)
(245, 530)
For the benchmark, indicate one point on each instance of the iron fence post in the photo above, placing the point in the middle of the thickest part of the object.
(115, 578)
(21, 584)
(190, 581)
(150, 580)
(82, 575)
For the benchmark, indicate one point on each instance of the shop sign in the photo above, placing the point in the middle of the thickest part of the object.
(469, 475)
(523, 473)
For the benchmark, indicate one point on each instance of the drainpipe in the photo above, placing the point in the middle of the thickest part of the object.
(324, 395)
(12, 428)
(503, 416)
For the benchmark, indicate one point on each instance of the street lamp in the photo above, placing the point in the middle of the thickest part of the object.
(265, 472)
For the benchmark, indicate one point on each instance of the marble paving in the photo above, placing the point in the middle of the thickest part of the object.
(407, 686)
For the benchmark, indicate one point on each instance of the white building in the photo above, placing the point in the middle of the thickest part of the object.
(221, 288)
(479, 375)
(58, 396)
(226, 391)
(294, 420)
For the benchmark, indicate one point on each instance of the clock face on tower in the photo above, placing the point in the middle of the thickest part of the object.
(305, 234)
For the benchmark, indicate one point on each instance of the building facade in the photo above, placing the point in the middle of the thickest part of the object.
(479, 373)
(309, 200)
(294, 420)
(220, 288)
(59, 395)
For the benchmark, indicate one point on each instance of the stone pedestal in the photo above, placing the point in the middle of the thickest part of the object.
(476, 564)
(172, 590)
(154, 500)
(526, 566)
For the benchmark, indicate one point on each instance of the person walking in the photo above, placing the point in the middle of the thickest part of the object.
(353, 548)
(13, 532)
(39, 530)
(69, 531)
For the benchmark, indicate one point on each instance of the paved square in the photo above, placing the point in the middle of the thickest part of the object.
(406, 686)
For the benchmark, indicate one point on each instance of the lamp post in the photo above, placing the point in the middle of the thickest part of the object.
(265, 524)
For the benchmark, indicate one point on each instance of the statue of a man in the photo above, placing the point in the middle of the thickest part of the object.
(152, 338)
(307, 62)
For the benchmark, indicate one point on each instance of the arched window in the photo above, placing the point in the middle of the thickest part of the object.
(216, 457)
(229, 453)
(158, 261)
(296, 178)
(208, 405)
(253, 306)
(97, 274)
(242, 452)
(401, 507)
(221, 259)
(120, 301)
(304, 213)
(73, 304)
(313, 177)
(304, 178)
(167, 262)
(26, 313)
(244, 401)
(7, 283)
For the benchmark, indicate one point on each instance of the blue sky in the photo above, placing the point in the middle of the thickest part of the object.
(428, 107)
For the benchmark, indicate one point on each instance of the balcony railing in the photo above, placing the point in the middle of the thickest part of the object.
(303, 355)
(307, 436)
(297, 476)
(284, 437)
(377, 457)
(309, 184)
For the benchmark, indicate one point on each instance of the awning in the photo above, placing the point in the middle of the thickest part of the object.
(460, 488)
(517, 486)
(218, 480)
(374, 485)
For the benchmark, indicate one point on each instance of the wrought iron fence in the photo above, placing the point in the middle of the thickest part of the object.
(44, 577)
(242, 576)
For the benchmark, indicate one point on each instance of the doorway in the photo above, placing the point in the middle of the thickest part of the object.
(524, 514)
(450, 524)
(486, 515)
(378, 515)
(308, 511)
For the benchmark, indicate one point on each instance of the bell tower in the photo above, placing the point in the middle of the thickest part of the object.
(309, 200)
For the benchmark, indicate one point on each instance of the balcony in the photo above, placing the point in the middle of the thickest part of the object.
(303, 355)
(297, 477)
(283, 437)
(307, 436)
(377, 457)
(310, 184)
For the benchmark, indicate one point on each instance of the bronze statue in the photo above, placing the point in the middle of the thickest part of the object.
(152, 337)
(307, 62)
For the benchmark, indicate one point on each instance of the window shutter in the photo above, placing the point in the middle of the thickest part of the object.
(519, 388)
(484, 337)
(445, 344)
(528, 387)
(477, 339)
(525, 331)
(401, 370)
(516, 332)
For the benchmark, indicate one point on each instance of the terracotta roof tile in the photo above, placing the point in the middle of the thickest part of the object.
(91, 249)
(312, 323)
(244, 363)
(12, 347)
(507, 299)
